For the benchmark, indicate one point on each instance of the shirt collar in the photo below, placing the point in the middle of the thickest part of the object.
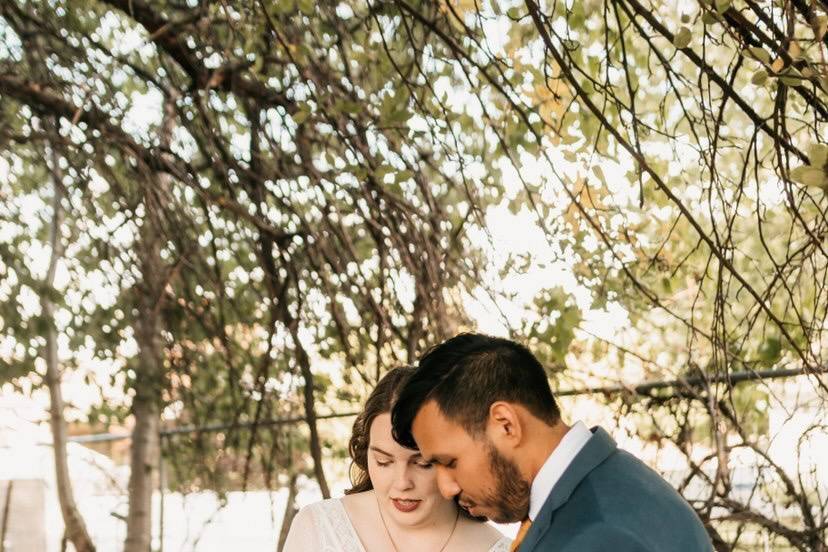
(552, 470)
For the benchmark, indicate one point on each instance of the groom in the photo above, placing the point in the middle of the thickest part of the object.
(481, 410)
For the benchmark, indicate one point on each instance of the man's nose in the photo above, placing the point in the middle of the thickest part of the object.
(446, 483)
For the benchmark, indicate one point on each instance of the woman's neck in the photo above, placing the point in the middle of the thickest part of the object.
(431, 534)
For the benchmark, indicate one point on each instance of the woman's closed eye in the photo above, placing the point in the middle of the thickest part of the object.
(384, 462)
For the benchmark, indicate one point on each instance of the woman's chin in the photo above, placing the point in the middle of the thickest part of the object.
(410, 518)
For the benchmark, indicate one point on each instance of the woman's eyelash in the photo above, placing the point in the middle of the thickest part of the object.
(424, 465)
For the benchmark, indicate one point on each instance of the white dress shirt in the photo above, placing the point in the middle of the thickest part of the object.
(555, 465)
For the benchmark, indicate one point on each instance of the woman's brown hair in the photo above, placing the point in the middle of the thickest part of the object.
(379, 402)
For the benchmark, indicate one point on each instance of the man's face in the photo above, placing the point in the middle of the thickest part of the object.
(485, 482)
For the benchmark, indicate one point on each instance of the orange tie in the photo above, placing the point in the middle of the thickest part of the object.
(524, 528)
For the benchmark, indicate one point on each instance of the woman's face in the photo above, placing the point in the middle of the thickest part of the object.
(405, 485)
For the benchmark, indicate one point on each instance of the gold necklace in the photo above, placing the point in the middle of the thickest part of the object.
(391, 540)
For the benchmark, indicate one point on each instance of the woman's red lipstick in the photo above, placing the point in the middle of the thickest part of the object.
(405, 506)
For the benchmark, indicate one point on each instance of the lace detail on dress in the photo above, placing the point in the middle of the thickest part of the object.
(502, 545)
(334, 532)
(326, 527)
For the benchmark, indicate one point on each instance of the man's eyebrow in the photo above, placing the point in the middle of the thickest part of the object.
(377, 449)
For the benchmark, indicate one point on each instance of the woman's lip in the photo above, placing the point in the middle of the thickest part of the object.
(405, 506)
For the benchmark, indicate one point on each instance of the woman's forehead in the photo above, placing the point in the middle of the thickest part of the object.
(380, 437)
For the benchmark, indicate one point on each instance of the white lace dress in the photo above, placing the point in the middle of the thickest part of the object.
(325, 527)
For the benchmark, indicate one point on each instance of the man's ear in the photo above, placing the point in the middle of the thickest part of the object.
(504, 426)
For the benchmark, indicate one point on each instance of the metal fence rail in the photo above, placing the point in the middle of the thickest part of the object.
(645, 388)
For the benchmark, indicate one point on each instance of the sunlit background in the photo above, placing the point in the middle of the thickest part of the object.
(209, 208)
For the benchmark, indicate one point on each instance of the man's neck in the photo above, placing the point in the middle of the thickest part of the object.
(543, 442)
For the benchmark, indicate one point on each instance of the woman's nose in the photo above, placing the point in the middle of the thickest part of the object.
(402, 477)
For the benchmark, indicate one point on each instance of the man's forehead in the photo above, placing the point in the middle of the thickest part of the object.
(430, 415)
(431, 427)
(440, 439)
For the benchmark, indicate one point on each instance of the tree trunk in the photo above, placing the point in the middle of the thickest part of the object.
(310, 410)
(149, 379)
(142, 461)
(290, 513)
(4, 521)
(75, 528)
(146, 407)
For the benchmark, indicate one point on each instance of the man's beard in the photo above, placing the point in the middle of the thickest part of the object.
(510, 499)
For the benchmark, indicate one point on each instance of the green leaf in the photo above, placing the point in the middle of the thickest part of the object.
(513, 13)
(709, 18)
(306, 6)
(758, 53)
(770, 350)
(682, 38)
(723, 5)
(792, 71)
(685, 18)
(400, 116)
(283, 7)
(760, 77)
(300, 116)
(358, 171)
(569, 139)
(404, 175)
(382, 170)
(349, 106)
(810, 176)
(818, 155)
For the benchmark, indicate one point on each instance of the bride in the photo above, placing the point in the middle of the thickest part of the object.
(394, 505)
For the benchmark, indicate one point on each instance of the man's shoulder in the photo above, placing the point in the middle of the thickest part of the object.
(618, 500)
(622, 471)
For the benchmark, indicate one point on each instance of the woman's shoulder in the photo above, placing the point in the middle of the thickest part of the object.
(322, 525)
(340, 511)
(359, 504)
(325, 507)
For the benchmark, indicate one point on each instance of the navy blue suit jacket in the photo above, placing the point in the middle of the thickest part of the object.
(609, 500)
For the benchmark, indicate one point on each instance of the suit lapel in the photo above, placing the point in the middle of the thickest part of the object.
(599, 447)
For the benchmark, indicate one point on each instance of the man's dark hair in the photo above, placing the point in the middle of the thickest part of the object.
(465, 375)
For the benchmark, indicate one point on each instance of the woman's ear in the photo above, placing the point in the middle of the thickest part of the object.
(505, 425)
